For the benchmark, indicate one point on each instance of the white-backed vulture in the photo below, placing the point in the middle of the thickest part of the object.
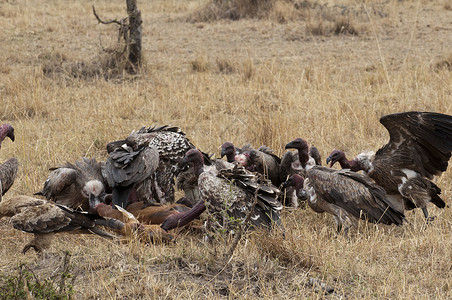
(347, 195)
(228, 195)
(44, 218)
(74, 185)
(419, 147)
(171, 145)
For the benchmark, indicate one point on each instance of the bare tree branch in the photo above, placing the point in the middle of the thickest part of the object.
(120, 23)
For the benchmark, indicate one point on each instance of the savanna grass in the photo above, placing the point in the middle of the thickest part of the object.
(263, 80)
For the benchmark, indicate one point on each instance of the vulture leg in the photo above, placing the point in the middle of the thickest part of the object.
(39, 242)
(427, 218)
(182, 219)
(120, 195)
(158, 192)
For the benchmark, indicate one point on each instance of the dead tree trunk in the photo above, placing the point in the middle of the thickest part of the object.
(134, 40)
(129, 29)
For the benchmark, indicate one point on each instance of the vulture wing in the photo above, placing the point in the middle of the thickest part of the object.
(59, 179)
(419, 141)
(39, 217)
(267, 163)
(356, 193)
(125, 166)
(171, 145)
(233, 191)
(315, 153)
(65, 183)
(8, 173)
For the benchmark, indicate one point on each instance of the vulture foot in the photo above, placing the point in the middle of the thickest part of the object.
(428, 219)
(29, 245)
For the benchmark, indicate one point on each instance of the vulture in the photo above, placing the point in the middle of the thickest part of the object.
(419, 147)
(296, 162)
(130, 164)
(232, 153)
(187, 181)
(8, 173)
(6, 130)
(261, 160)
(8, 170)
(228, 149)
(228, 194)
(75, 185)
(148, 159)
(347, 195)
(44, 218)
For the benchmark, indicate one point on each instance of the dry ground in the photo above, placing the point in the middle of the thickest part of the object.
(288, 73)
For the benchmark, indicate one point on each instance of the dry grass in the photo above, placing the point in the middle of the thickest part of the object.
(255, 80)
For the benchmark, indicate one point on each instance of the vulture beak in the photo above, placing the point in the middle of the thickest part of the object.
(94, 200)
(11, 135)
(302, 195)
(183, 162)
(330, 159)
(223, 152)
(289, 146)
(284, 185)
(106, 198)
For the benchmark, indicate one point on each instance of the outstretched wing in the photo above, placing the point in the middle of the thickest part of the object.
(356, 193)
(419, 141)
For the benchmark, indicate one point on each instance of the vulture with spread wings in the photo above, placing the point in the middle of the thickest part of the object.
(419, 148)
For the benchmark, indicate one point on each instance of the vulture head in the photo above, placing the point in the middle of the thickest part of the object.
(362, 162)
(94, 190)
(243, 159)
(194, 159)
(228, 150)
(6, 130)
(336, 156)
(303, 150)
(296, 181)
(299, 144)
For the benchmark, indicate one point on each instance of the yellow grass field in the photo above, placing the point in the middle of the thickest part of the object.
(325, 71)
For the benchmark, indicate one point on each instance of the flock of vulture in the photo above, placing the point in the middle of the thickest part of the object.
(133, 191)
